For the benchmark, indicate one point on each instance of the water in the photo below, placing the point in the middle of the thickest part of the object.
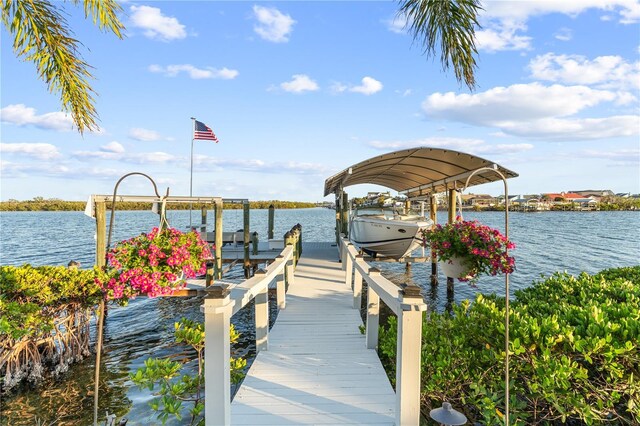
(546, 242)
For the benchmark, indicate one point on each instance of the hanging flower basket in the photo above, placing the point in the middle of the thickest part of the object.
(154, 264)
(467, 249)
(456, 267)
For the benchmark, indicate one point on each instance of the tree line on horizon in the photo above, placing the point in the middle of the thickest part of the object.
(56, 204)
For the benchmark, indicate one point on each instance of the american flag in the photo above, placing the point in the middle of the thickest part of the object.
(202, 131)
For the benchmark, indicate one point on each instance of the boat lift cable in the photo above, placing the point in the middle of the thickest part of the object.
(506, 286)
(113, 202)
(101, 313)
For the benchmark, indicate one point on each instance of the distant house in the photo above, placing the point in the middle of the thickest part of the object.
(479, 200)
(595, 193)
(623, 195)
(586, 203)
(562, 196)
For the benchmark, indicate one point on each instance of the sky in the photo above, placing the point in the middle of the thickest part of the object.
(298, 91)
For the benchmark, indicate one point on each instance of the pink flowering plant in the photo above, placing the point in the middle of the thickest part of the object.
(153, 264)
(483, 250)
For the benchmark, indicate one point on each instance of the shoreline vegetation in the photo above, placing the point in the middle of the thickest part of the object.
(55, 204)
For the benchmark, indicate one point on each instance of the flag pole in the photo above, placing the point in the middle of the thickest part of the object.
(193, 130)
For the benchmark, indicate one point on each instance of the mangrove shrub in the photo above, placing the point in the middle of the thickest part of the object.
(574, 352)
(44, 319)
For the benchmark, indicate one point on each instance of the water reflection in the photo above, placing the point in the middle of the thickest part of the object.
(68, 401)
(546, 243)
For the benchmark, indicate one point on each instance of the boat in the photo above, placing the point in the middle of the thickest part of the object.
(387, 232)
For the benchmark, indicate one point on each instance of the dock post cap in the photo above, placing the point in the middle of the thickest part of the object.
(408, 290)
(374, 271)
(217, 291)
(260, 272)
(447, 415)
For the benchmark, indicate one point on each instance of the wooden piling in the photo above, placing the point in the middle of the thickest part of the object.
(218, 240)
(271, 222)
(289, 240)
(345, 214)
(254, 243)
(203, 222)
(299, 228)
(101, 233)
(452, 217)
(433, 214)
(101, 259)
(338, 216)
(245, 240)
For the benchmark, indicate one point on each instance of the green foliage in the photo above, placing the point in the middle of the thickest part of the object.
(41, 35)
(30, 297)
(574, 352)
(450, 24)
(55, 204)
(177, 394)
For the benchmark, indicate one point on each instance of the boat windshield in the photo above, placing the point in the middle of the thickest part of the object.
(384, 212)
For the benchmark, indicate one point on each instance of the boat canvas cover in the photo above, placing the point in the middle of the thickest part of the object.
(418, 171)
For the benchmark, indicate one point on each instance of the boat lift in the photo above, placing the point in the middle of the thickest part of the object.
(419, 174)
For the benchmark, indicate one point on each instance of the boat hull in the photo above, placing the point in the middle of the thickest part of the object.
(384, 237)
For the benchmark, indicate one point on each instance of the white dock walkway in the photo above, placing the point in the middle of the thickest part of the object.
(317, 369)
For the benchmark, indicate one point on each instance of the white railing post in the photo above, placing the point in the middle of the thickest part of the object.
(348, 267)
(262, 315)
(281, 293)
(373, 313)
(357, 285)
(217, 320)
(290, 273)
(409, 345)
(344, 251)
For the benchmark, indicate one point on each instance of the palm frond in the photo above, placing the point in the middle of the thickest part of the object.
(41, 35)
(449, 25)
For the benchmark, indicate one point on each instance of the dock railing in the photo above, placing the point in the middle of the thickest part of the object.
(407, 304)
(221, 302)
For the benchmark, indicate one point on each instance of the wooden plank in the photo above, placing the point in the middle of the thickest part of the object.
(317, 369)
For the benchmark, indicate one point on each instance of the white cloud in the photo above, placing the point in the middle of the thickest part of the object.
(475, 146)
(133, 158)
(502, 36)
(564, 34)
(57, 170)
(144, 135)
(300, 83)
(194, 72)
(261, 166)
(603, 71)
(115, 147)
(155, 25)
(629, 157)
(516, 102)
(576, 129)
(272, 24)
(397, 24)
(41, 151)
(628, 10)
(369, 86)
(504, 22)
(535, 111)
(22, 115)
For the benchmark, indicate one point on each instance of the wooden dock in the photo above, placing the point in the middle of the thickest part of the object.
(317, 368)
(314, 366)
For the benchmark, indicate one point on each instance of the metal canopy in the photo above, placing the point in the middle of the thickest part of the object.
(418, 172)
